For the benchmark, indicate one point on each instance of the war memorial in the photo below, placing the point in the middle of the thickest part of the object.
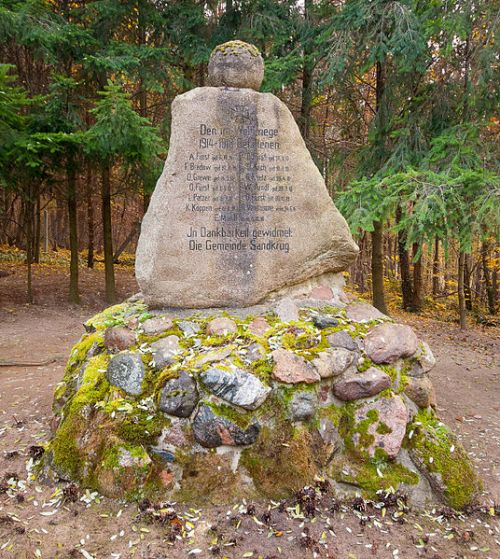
(242, 369)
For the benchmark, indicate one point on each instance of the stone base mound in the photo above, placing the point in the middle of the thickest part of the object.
(225, 406)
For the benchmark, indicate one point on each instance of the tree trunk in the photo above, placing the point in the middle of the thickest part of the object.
(307, 76)
(467, 282)
(38, 226)
(435, 269)
(90, 219)
(74, 296)
(404, 263)
(490, 288)
(109, 272)
(29, 241)
(417, 299)
(378, 267)
(461, 294)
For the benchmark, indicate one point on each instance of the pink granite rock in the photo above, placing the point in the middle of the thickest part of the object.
(387, 343)
(221, 326)
(322, 293)
(118, 338)
(292, 369)
(363, 312)
(259, 326)
(353, 386)
(421, 391)
(390, 427)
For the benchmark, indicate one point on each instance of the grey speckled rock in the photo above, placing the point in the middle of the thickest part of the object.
(342, 339)
(236, 64)
(212, 431)
(189, 328)
(324, 321)
(361, 385)
(179, 396)
(287, 310)
(333, 362)
(165, 351)
(387, 343)
(126, 371)
(303, 406)
(197, 251)
(239, 387)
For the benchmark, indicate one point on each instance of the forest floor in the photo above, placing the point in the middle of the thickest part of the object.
(40, 520)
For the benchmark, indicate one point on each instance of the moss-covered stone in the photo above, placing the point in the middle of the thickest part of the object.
(442, 459)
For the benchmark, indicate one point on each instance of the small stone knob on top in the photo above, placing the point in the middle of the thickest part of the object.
(236, 64)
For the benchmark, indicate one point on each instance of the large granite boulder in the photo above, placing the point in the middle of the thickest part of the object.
(239, 199)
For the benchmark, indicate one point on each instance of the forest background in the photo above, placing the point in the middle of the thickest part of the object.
(397, 102)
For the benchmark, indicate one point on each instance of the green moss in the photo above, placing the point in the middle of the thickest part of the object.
(441, 454)
(240, 418)
(371, 476)
(66, 453)
(383, 429)
(80, 350)
(290, 455)
(364, 364)
(236, 48)
(115, 315)
(140, 428)
(333, 413)
(263, 369)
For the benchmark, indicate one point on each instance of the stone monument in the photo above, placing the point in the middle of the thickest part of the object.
(168, 396)
(240, 198)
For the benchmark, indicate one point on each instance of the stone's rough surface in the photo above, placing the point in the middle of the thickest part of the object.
(237, 387)
(303, 406)
(333, 362)
(424, 360)
(363, 312)
(156, 325)
(287, 310)
(354, 386)
(255, 352)
(421, 391)
(165, 351)
(259, 326)
(389, 429)
(387, 343)
(322, 293)
(236, 64)
(189, 328)
(214, 356)
(118, 338)
(342, 339)
(272, 433)
(211, 430)
(179, 396)
(290, 368)
(322, 321)
(221, 326)
(126, 371)
(195, 251)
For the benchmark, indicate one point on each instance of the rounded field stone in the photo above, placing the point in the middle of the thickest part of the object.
(179, 396)
(303, 406)
(126, 371)
(291, 368)
(165, 351)
(361, 385)
(221, 326)
(237, 387)
(389, 429)
(211, 430)
(421, 391)
(236, 64)
(333, 362)
(342, 339)
(387, 343)
(118, 338)
(157, 325)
